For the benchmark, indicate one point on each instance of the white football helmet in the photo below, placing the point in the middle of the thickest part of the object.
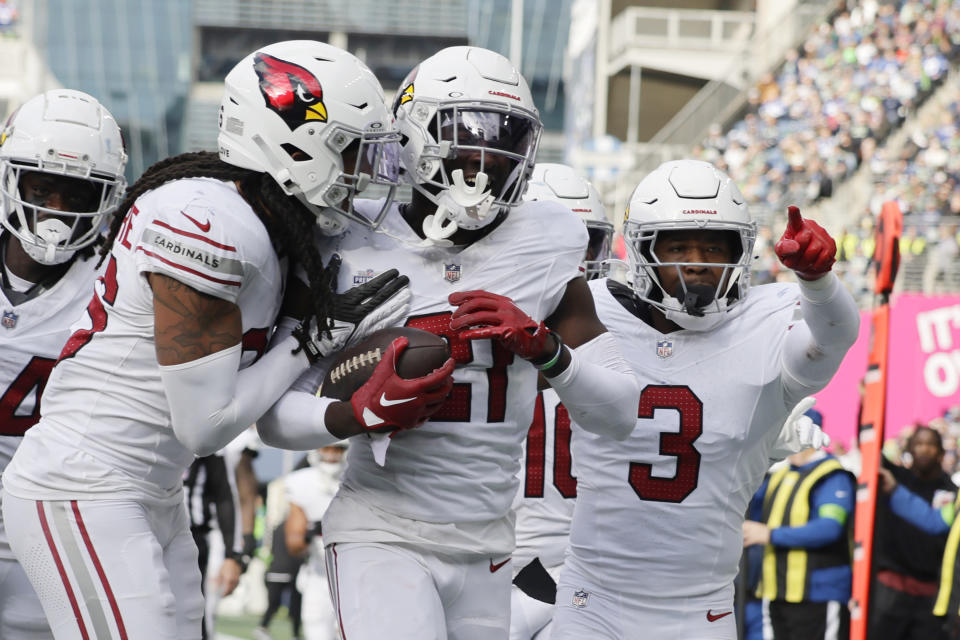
(68, 135)
(312, 116)
(466, 110)
(560, 183)
(688, 195)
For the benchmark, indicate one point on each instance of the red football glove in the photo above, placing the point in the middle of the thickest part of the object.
(497, 317)
(806, 247)
(387, 401)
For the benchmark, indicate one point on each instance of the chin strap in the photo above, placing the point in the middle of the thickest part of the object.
(695, 297)
(459, 206)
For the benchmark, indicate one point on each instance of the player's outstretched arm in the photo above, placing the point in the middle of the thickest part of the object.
(592, 379)
(816, 346)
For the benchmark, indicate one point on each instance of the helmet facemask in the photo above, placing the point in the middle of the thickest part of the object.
(475, 162)
(596, 262)
(697, 307)
(365, 162)
(49, 235)
(61, 144)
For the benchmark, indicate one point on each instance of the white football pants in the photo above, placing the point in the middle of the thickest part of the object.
(316, 608)
(403, 593)
(21, 616)
(584, 610)
(109, 569)
(530, 618)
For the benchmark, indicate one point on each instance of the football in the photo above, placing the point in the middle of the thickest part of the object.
(354, 366)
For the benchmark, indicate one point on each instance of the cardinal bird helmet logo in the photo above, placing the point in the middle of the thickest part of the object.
(290, 90)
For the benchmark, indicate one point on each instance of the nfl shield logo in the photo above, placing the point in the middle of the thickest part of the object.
(360, 277)
(664, 348)
(9, 320)
(451, 272)
(580, 598)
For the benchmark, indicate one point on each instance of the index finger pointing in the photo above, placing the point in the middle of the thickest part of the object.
(795, 220)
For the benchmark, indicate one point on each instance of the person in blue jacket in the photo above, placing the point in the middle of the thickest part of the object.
(805, 525)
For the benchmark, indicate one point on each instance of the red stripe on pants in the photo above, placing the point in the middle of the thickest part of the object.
(60, 569)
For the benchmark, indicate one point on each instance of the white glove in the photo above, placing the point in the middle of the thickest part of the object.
(799, 432)
(376, 304)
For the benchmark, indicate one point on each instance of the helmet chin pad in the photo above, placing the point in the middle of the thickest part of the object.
(695, 297)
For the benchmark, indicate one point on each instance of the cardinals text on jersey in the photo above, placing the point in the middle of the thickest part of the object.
(106, 419)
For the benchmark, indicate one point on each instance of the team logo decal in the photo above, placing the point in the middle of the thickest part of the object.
(290, 90)
(363, 276)
(664, 348)
(407, 94)
(580, 598)
(9, 320)
(451, 272)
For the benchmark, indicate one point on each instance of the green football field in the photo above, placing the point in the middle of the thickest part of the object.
(241, 627)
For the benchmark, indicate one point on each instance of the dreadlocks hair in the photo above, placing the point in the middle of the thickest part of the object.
(289, 223)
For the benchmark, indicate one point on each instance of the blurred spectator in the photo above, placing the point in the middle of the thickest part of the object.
(807, 515)
(907, 559)
(9, 17)
(810, 125)
(934, 521)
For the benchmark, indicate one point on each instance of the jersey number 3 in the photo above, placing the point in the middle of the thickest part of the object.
(676, 444)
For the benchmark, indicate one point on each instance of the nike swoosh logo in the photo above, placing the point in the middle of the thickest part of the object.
(713, 617)
(389, 403)
(203, 227)
(496, 567)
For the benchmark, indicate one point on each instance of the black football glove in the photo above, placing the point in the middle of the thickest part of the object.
(380, 302)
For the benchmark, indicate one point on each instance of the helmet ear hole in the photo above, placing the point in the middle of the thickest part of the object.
(296, 153)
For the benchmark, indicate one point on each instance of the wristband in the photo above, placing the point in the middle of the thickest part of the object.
(552, 361)
(242, 559)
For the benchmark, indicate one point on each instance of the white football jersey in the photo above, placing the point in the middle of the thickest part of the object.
(105, 428)
(31, 337)
(461, 466)
(659, 515)
(548, 486)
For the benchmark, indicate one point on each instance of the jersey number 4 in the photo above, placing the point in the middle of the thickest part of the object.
(33, 378)
(677, 444)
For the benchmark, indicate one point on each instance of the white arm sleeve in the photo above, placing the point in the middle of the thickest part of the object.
(815, 347)
(599, 389)
(212, 400)
(297, 420)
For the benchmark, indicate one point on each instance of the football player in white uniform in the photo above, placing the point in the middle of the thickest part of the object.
(61, 174)
(309, 492)
(548, 484)
(656, 532)
(416, 548)
(167, 362)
